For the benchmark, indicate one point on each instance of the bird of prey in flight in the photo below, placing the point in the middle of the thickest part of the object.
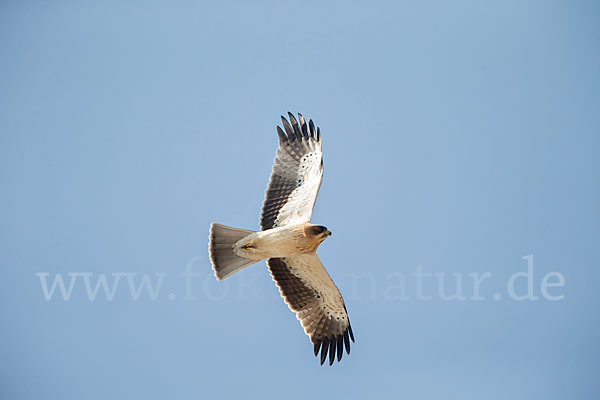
(289, 241)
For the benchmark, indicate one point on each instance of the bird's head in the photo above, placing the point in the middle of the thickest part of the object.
(318, 232)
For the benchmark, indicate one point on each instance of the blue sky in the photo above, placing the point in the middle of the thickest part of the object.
(458, 138)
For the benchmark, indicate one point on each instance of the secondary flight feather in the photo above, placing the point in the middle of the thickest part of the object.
(288, 240)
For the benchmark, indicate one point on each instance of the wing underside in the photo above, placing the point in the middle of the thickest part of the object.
(309, 291)
(296, 175)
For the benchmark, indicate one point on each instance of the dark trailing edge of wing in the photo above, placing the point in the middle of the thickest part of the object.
(334, 346)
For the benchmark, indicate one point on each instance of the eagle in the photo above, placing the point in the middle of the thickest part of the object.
(288, 240)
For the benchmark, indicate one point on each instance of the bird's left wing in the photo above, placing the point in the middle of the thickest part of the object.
(296, 176)
(310, 292)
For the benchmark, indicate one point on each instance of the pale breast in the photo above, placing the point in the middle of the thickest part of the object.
(284, 241)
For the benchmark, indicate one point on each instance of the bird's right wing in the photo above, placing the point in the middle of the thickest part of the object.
(296, 176)
(309, 291)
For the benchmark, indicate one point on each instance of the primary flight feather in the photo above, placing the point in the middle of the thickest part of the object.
(289, 241)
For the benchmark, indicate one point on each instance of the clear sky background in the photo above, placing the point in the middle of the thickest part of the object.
(458, 138)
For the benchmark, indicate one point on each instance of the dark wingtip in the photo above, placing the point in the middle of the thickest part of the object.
(350, 331)
(281, 134)
(347, 342)
(303, 126)
(288, 128)
(324, 348)
(332, 351)
(311, 126)
(295, 126)
(292, 118)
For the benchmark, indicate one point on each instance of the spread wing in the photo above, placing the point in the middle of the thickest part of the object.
(296, 176)
(309, 291)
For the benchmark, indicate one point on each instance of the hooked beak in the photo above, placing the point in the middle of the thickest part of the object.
(328, 232)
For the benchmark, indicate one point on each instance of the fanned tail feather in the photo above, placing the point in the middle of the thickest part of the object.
(224, 260)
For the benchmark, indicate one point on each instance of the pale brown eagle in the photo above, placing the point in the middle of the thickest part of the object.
(289, 241)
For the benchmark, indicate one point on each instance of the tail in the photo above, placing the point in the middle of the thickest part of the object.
(220, 249)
